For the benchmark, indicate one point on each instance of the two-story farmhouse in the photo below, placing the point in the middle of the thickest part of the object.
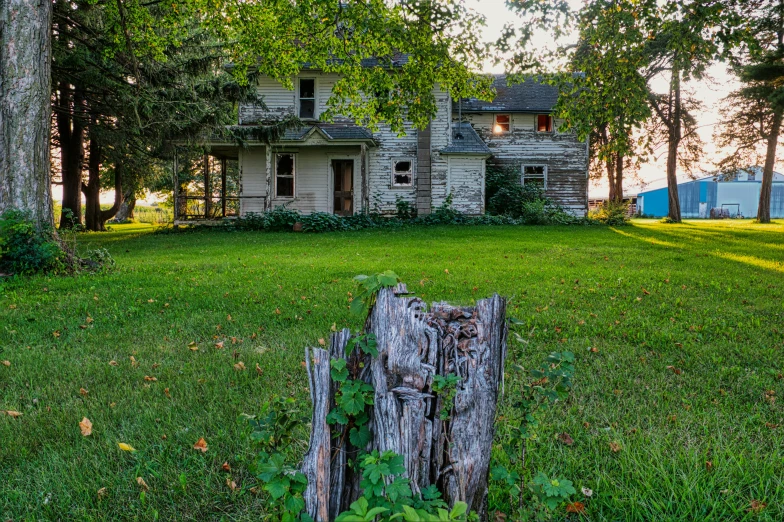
(342, 168)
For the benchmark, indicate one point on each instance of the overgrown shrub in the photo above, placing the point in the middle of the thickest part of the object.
(26, 249)
(611, 213)
(403, 209)
(506, 196)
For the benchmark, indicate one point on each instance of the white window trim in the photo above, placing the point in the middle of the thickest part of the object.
(522, 174)
(495, 122)
(536, 126)
(275, 173)
(315, 96)
(392, 172)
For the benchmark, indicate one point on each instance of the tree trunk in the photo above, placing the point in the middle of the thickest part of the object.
(763, 210)
(414, 345)
(70, 128)
(674, 132)
(128, 204)
(618, 189)
(25, 107)
(94, 218)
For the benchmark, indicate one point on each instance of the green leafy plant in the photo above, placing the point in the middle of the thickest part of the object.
(285, 486)
(352, 397)
(368, 288)
(403, 209)
(611, 213)
(24, 249)
(551, 492)
(446, 388)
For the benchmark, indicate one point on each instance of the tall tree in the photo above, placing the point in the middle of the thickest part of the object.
(753, 114)
(25, 58)
(684, 39)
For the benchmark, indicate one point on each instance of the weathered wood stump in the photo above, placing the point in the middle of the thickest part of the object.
(414, 345)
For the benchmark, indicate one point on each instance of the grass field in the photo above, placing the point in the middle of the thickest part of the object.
(702, 298)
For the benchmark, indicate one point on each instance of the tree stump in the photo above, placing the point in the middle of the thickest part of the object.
(414, 345)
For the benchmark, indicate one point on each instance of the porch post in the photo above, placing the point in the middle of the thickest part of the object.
(268, 198)
(176, 176)
(207, 187)
(223, 186)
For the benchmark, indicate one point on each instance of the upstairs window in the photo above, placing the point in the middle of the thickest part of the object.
(535, 175)
(503, 123)
(544, 123)
(307, 98)
(402, 173)
(284, 175)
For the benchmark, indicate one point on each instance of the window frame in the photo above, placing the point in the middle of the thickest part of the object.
(394, 161)
(552, 124)
(496, 124)
(300, 98)
(293, 176)
(543, 178)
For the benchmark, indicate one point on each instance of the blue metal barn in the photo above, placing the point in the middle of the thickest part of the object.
(737, 194)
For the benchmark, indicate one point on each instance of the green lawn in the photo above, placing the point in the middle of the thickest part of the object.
(703, 298)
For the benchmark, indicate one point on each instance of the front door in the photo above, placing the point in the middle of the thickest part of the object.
(343, 183)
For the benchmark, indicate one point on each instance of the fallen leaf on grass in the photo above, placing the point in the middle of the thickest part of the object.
(112, 363)
(575, 507)
(12, 413)
(232, 485)
(587, 492)
(321, 341)
(193, 346)
(150, 379)
(708, 465)
(86, 426)
(676, 371)
(259, 370)
(166, 392)
(125, 447)
(134, 362)
(102, 492)
(5, 363)
(142, 484)
(565, 438)
(226, 467)
(201, 445)
(615, 447)
(757, 506)
(594, 349)
(219, 345)
(239, 366)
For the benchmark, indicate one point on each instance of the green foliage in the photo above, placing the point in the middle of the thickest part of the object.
(368, 287)
(285, 485)
(26, 249)
(274, 426)
(403, 209)
(366, 343)
(351, 399)
(505, 195)
(611, 213)
(446, 388)
(552, 492)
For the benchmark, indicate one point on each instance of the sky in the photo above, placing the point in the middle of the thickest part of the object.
(652, 174)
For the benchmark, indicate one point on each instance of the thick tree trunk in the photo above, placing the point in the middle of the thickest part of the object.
(618, 180)
(674, 131)
(763, 210)
(25, 107)
(128, 204)
(70, 128)
(94, 218)
(414, 345)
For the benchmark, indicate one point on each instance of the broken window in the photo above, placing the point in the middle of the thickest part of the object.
(535, 175)
(403, 173)
(544, 123)
(307, 98)
(284, 175)
(503, 123)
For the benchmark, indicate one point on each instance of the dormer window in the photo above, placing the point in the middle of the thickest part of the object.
(307, 98)
(544, 123)
(503, 123)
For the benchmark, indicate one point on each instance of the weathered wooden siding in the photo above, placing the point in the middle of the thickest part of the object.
(566, 157)
(466, 183)
(440, 137)
(312, 179)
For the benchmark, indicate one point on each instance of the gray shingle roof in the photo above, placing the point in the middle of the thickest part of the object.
(465, 140)
(332, 131)
(529, 96)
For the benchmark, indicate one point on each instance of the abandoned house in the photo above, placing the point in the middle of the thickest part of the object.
(341, 168)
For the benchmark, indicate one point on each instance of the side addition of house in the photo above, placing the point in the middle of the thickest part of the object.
(341, 168)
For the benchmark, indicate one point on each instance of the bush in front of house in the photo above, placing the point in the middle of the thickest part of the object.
(506, 196)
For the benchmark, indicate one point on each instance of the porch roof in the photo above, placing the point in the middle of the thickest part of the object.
(337, 132)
